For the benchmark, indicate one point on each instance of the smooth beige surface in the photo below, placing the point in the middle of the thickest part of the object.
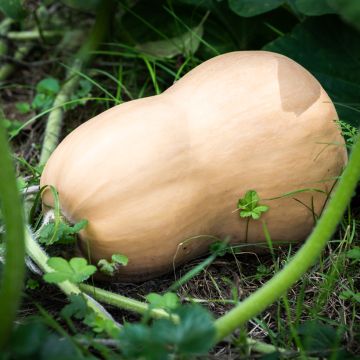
(153, 172)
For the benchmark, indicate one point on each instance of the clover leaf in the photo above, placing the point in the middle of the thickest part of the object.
(110, 267)
(168, 301)
(249, 205)
(60, 232)
(76, 270)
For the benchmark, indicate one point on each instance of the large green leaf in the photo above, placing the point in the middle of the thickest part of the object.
(314, 8)
(249, 8)
(349, 10)
(12, 8)
(330, 50)
(186, 43)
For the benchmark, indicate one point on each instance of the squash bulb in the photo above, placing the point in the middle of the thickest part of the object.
(150, 173)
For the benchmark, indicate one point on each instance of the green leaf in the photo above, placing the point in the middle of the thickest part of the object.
(63, 233)
(42, 102)
(23, 107)
(13, 9)
(246, 213)
(12, 126)
(248, 8)
(74, 229)
(249, 201)
(192, 335)
(109, 268)
(350, 295)
(249, 205)
(185, 44)
(106, 267)
(168, 301)
(82, 271)
(330, 50)
(32, 284)
(77, 308)
(120, 259)
(354, 254)
(49, 86)
(314, 8)
(220, 248)
(101, 324)
(349, 10)
(76, 270)
(138, 341)
(320, 338)
(195, 334)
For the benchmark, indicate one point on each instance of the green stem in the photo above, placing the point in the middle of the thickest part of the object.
(13, 275)
(139, 307)
(39, 256)
(303, 259)
(84, 55)
(54, 121)
(122, 302)
(33, 34)
(4, 27)
(247, 230)
(7, 69)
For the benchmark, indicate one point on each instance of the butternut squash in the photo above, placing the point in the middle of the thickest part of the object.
(150, 173)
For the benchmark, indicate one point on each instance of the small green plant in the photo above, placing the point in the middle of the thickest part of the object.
(191, 334)
(32, 284)
(76, 270)
(349, 132)
(110, 267)
(46, 91)
(249, 207)
(60, 232)
(168, 301)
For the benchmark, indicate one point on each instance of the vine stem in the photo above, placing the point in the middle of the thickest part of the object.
(20, 53)
(7, 68)
(39, 256)
(139, 307)
(12, 213)
(96, 36)
(303, 259)
(32, 34)
(123, 302)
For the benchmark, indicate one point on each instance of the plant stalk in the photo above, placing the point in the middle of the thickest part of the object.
(303, 259)
(33, 34)
(12, 213)
(39, 256)
(20, 54)
(123, 302)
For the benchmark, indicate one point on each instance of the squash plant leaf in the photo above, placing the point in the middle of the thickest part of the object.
(60, 233)
(314, 8)
(100, 324)
(249, 205)
(110, 267)
(76, 270)
(13, 9)
(168, 301)
(321, 38)
(192, 335)
(248, 8)
(77, 307)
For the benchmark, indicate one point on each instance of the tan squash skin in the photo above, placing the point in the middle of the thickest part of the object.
(151, 173)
